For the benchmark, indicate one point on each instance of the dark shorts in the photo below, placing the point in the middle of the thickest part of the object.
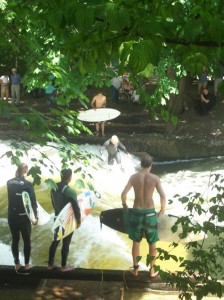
(143, 223)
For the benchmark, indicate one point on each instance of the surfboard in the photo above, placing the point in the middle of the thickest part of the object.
(98, 115)
(65, 223)
(117, 219)
(43, 216)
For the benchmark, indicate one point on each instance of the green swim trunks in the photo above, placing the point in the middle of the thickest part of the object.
(143, 223)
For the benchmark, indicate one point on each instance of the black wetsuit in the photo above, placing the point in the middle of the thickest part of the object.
(17, 217)
(113, 151)
(203, 108)
(68, 195)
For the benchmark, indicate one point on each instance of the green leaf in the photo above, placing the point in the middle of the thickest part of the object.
(138, 258)
(51, 184)
(84, 17)
(143, 53)
(79, 183)
(192, 30)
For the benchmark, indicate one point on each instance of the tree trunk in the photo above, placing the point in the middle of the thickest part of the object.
(179, 102)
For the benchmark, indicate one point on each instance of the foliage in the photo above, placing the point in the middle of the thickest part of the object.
(201, 275)
(83, 43)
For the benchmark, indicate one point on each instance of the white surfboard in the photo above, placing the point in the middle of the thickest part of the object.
(65, 223)
(43, 216)
(98, 115)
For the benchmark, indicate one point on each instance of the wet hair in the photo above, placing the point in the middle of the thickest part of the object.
(146, 161)
(66, 174)
(22, 169)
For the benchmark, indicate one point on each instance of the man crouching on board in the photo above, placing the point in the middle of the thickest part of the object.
(99, 101)
(143, 217)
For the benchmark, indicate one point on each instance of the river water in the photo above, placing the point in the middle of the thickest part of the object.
(93, 246)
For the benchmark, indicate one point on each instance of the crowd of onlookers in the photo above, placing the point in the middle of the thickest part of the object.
(13, 81)
(206, 100)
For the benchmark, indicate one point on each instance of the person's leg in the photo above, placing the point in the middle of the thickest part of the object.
(17, 90)
(204, 85)
(102, 129)
(118, 158)
(152, 253)
(26, 233)
(13, 93)
(52, 251)
(199, 88)
(135, 254)
(114, 94)
(65, 251)
(2, 92)
(110, 160)
(14, 228)
(7, 93)
(97, 128)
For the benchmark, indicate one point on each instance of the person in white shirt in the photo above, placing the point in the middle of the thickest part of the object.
(116, 84)
(4, 87)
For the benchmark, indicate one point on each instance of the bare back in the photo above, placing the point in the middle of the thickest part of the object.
(144, 184)
(99, 101)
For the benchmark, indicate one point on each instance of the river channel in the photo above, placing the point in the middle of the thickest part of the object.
(103, 248)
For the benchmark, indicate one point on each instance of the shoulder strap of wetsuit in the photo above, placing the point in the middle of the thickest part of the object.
(64, 189)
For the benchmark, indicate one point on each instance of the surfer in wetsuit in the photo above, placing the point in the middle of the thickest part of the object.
(113, 147)
(17, 218)
(99, 101)
(143, 217)
(63, 195)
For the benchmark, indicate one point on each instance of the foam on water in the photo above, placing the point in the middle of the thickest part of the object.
(91, 247)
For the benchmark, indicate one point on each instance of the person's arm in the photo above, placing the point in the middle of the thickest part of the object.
(33, 202)
(122, 147)
(105, 101)
(104, 146)
(93, 102)
(125, 192)
(162, 197)
(203, 99)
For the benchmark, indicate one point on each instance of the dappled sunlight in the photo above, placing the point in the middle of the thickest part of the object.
(217, 132)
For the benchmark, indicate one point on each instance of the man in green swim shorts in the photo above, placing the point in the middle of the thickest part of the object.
(143, 217)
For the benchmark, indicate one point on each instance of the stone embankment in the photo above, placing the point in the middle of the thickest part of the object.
(193, 137)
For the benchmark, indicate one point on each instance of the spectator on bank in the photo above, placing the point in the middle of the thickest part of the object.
(203, 80)
(99, 101)
(206, 103)
(15, 80)
(116, 84)
(4, 87)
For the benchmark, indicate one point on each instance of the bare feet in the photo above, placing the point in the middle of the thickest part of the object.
(51, 267)
(134, 270)
(18, 267)
(21, 270)
(66, 269)
(153, 273)
(28, 267)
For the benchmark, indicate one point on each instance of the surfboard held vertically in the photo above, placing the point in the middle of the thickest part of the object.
(43, 216)
(65, 223)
